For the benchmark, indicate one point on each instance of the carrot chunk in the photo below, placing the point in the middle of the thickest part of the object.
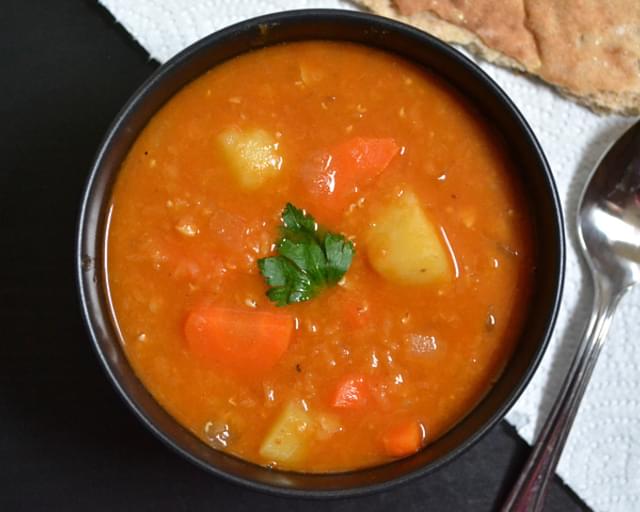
(247, 342)
(403, 439)
(361, 159)
(351, 392)
(333, 179)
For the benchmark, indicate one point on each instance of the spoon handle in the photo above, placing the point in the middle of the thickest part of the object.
(530, 490)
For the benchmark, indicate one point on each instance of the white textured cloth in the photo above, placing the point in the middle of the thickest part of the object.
(602, 459)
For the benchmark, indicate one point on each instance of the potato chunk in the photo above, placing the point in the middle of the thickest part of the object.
(289, 437)
(252, 155)
(404, 246)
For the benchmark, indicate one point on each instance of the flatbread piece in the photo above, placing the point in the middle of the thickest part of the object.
(588, 49)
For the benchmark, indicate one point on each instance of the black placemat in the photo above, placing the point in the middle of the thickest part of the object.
(66, 440)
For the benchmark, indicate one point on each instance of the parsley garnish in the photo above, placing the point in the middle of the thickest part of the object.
(309, 259)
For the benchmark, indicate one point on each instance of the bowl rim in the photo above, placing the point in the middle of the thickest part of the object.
(303, 15)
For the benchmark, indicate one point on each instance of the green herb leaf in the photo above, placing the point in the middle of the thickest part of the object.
(309, 259)
(307, 256)
(339, 253)
(296, 222)
(287, 283)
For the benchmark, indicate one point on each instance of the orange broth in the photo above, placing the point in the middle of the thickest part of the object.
(183, 232)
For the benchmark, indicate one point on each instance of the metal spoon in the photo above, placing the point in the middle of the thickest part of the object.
(608, 224)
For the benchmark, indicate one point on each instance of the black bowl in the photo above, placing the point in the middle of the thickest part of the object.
(376, 32)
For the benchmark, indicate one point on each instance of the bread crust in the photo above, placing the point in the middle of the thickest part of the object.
(590, 54)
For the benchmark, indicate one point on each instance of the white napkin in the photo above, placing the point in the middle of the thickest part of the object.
(601, 461)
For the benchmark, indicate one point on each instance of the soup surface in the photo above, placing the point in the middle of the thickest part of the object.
(398, 308)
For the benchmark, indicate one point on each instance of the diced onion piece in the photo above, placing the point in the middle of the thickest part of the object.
(328, 425)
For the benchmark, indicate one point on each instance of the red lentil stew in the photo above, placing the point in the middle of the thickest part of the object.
(319, 256)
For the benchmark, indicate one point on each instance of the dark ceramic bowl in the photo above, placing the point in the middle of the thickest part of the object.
(376, 32)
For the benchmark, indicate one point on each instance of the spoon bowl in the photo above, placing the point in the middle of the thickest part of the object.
(609, 213)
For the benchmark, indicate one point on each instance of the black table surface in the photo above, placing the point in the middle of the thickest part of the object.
(67, 442)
